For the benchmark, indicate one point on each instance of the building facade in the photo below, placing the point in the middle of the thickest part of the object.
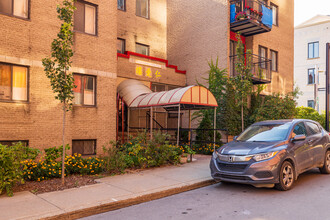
(152, 42)
(29, 111)
(309, 65)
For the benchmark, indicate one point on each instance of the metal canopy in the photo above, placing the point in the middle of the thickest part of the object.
(137, 95)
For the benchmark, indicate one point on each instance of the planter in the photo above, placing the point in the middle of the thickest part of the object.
(183, 159)
(230, 138)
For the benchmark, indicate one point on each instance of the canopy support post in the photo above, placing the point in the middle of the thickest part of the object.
(128, 116)
(189, 134)
(214, 127)
(166, 118)
(122, 120)
(151, 123)
(178, 135)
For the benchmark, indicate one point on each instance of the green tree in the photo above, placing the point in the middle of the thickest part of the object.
(242, 81)
(57, 67)
(216, 83)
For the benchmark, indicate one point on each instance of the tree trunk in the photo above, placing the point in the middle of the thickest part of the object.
(63, 143)
(242, 114)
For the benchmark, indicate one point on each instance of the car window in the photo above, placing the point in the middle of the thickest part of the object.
(300, 129)
(313, 128)
(265, 133)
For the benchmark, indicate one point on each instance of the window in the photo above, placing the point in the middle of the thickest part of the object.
(13, 83)
(19, 8)
(142, 49)
(120, 45)
(262, 56)
(142, 8)
(84, 147)
(274, 57)
(300, 129)
(310, 103)
(313, 128)
(11, 143)
(313, 50)
(311, 76)
(85, 92)
(275, 13)
(121, 5)
(85, 17)
(233, 45)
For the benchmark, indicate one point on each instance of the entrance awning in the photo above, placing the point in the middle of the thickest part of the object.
(137, 95)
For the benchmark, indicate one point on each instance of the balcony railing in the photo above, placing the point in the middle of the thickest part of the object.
(250, 17)
(260, 68)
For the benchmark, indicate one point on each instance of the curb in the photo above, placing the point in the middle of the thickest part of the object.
(129, 202)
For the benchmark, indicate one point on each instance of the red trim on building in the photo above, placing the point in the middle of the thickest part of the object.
(234, 38)
(129, 53)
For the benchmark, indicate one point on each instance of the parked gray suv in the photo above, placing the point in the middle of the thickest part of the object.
(272, 153)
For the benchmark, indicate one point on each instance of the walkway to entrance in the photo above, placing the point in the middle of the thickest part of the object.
(136, 95)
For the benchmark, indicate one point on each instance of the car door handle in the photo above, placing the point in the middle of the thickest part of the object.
(310, 141)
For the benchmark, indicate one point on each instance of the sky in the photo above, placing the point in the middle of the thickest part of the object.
(306, 9)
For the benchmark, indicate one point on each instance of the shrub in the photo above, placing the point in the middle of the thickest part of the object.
(53, 153)
(205, 149)
(141, 153)
(11, 166)
(115, 161)
(310, 113)
(75, 164)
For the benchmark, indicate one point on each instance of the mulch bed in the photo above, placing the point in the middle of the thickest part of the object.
(76, 181)
(72, 181)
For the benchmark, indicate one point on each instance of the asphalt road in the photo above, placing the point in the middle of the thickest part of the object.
(309, 199)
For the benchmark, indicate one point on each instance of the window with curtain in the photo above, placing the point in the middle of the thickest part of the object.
(85, 17)
(274, 57)
(142, 8)
(19, 8)
(275, 13)
(313, 50)
(13, 82)
(85, 91)
(262, 56)
(121, 5)
(120, 45)
(311, 76)
(142, 49)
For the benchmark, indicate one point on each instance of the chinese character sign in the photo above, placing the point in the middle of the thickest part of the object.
(147, 72)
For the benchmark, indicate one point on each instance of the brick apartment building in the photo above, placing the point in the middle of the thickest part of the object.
(151, 37)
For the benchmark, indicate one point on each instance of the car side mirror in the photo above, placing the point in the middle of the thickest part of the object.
(299, 137)
(235, 137)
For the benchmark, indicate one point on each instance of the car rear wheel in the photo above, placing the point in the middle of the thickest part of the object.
(286, 177)
(326, 167)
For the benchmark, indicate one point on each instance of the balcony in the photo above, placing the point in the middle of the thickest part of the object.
(250, 17)
(260, 68)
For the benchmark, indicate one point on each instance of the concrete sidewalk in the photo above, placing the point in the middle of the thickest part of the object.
(109, 194)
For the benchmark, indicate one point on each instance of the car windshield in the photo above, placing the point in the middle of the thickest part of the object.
(265, 133)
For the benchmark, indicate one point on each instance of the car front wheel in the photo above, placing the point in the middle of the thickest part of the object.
(326, 167)
(286, 177)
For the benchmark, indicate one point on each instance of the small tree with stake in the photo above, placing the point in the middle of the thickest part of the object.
(57, 67)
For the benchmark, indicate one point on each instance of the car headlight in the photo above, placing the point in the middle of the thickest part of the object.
(265, 156)
(215, 154)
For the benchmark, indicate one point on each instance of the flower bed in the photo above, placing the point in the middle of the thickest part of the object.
(74, 164)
